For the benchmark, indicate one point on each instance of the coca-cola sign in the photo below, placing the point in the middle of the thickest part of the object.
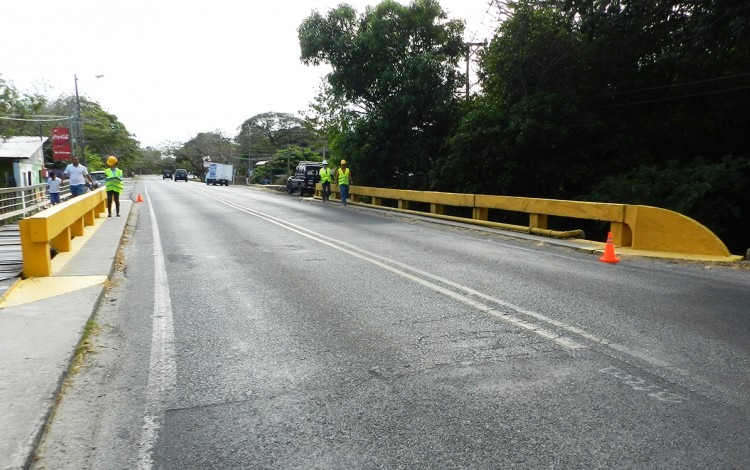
(61, 143)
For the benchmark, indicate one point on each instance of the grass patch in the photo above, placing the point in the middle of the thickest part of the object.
(85, 346)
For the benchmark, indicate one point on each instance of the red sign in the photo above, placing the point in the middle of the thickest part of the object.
(61, 143)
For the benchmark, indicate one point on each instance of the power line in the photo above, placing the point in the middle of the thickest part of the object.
(674, 85)
(671, 98)
(40, 118)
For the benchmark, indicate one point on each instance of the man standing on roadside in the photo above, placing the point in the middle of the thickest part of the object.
(343, 178)
(53, 183)
(325, 181)
(77, 174)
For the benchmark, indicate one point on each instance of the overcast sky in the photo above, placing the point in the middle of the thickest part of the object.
(173, 68)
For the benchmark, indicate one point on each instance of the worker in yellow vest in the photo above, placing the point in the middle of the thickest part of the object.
(113, 183)
(343, 179)
(325, 180)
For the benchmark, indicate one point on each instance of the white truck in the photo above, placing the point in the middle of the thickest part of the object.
(219, 173)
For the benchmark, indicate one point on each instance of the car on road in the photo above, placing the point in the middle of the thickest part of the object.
(181, 174)
(166, 174)
(304, 178)
(100, 179)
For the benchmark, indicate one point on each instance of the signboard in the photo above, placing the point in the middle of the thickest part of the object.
(61, 143)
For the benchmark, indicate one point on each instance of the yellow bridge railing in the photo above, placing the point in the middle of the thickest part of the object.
(55, 228)
(638, 227)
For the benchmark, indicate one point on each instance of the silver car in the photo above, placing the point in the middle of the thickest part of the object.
(99, 179)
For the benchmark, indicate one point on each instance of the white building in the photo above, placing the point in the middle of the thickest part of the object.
(21, 161)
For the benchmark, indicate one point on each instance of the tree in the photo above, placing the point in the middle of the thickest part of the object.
(267, 133)
(190, 155)
(394, 79)
(519, 136)
(18, 111)
(582, 91)
(283, 162)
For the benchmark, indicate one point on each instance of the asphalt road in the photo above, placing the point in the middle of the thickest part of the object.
(252, 329)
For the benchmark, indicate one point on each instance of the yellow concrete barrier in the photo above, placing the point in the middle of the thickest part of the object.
(636, 227)
(55, 228)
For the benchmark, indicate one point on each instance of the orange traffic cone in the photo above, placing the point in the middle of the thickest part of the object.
(139, 198)
(609, 251)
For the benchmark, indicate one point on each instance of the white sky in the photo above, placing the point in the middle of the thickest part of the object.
(174, 68)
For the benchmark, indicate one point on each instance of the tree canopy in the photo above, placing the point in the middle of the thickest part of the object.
(393, 78)
(576, 96)
(103, 133)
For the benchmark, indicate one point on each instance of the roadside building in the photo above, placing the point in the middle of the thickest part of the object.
(22, 161)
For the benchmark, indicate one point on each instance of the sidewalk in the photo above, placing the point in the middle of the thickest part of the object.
(42, 321)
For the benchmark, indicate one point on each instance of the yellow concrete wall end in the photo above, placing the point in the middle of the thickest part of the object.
(657, 229)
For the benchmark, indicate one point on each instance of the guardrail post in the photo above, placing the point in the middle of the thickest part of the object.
(89, 218)
(77, 229)
(403, 205)
(480, 213)
(62, 242)
(621, 234)
(437, 209)
(538, 221)
(37, 261)
(377, 201)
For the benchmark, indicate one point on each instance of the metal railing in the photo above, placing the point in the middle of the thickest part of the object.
(17, 203)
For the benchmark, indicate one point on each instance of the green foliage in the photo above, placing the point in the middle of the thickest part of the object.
(15, 104)
(392, 85)
(265, 134)
(581, 91)
(191, 155)
(283, 163)
(105, 135)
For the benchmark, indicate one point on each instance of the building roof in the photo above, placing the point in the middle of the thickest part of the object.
(20, 146)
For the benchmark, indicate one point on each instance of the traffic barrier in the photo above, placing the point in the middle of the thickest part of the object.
(54, 228)
(637, 227)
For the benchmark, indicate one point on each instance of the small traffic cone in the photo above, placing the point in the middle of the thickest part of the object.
(609, 251)
(139, 198)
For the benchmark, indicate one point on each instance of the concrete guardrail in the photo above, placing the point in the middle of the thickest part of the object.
(637, 227)
(55, 228)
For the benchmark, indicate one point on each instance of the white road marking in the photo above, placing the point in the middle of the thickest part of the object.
(162, 371)
(381, 261)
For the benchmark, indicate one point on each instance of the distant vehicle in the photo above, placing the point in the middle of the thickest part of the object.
(180, 174)
(100, 179)
(166, 174)
(304, 178)
(219, 173)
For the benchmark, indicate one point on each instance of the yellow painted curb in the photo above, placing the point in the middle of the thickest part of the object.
(15, 284)
(39, 288)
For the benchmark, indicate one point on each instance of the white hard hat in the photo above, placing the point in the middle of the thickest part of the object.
(325, 162)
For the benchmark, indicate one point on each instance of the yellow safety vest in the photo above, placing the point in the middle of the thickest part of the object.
(343, 176)
(325, 175)
(113, 180)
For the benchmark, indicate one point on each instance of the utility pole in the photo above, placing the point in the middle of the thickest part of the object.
(249, 148)
(470, 48)
(78, 139)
